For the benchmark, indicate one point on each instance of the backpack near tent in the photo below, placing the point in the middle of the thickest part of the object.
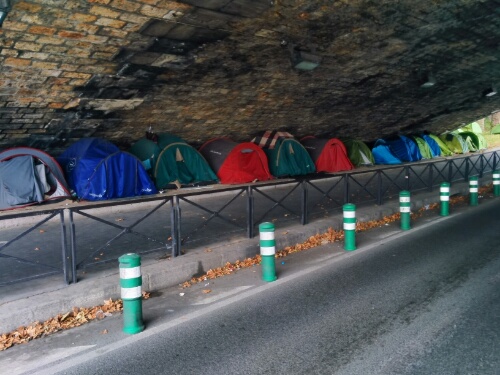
(423, 147)
(29, 176)
(358, 152)
(445, 150)
(173, 162)
(455, 143)
(329, 155)
(404, 149)
(383, 154)
(236, 163)
(97, 170)
(286, 155)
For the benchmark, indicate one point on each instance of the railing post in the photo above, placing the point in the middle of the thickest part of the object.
(175, 218)
(250, 212)
(304, 214)
(481, 171)
(466, 177)
(407, 177)
(431, 176)
(72, 239)
(379, 188)
(346, 188)
(64, 247)
(450, 170)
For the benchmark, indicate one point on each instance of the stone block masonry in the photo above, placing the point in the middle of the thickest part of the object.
(225, 69)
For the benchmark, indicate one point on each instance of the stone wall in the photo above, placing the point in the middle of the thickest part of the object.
(114, 68)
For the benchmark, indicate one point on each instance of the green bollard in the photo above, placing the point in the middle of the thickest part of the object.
(444, 196)
(473, 191)
(267, 251)
(496, 183)
(405, 209)
(131, 285)
(349, 226)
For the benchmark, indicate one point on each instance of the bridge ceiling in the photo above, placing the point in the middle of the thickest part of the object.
(207, 68)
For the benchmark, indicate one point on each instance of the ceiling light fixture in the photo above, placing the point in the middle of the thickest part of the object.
(427, 81)
(490, 91)
(5, 8)
(304, 60)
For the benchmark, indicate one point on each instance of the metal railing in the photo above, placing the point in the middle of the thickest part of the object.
(178, 220)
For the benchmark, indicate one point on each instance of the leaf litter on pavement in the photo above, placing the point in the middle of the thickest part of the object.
(82, 315)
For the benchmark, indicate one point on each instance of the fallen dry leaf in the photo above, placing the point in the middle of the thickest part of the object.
(206, 291)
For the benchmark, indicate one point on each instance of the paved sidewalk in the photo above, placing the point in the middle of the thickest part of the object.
(42, 299)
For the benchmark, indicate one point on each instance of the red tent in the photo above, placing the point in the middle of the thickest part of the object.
(329, 155)
(236, 163)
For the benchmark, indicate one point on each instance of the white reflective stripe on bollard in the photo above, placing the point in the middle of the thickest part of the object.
(349, 226)
(129, 293)
(473, 190)
(130, 273)
(404, 199)
(496, 182)
(444, 189)
(404, 209)
(269, 250)
(349, 214)
(445, 198)
(267, 235)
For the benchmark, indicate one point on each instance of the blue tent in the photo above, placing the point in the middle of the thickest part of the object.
(97, 170)
(433, 145)
(404, 149)
(383, 154)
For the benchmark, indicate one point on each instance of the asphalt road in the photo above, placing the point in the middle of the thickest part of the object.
(426, 301)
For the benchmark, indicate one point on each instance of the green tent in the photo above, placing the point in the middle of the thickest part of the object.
(455, 143)
(172, 161)
(423, 146)
(445, 151)
(359, 153)
(472, 127)
(289, 158)
(474, 141)
(495, 129)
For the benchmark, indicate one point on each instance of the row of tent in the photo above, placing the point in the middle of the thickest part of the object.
(95, 169)
(403, 149)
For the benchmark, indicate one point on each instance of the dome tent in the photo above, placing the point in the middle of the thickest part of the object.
(329, 155)
(97, 170)
(423, 147)
(173, 162)
(455, 143)
(236, 163)
(433, 145)
(359, 153)
(286, 155)
(445, 150)
(383, 154)
(404, 148)
(29, 176)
